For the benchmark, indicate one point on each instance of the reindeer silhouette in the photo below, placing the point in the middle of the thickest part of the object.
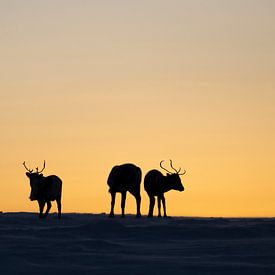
(44, 190)
(156, 184)
(123, 178)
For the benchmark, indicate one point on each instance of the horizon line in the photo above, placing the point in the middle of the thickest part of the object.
(145, 216)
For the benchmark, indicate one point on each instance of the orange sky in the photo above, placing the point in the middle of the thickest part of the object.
(87, 85)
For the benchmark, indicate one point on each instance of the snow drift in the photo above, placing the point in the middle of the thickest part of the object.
(96, 244)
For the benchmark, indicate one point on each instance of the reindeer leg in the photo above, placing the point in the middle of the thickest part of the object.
(49, 205)
(123, 199)
(113, 194)
(164, 206)
(159, 206)
(41, 208)
(151, 206)
(138, 200)
(59, 208)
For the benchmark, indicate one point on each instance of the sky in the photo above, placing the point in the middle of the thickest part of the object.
(86, 85)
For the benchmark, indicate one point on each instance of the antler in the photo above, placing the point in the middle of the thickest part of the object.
(30, 171)
(163, 167)
(177, 171)
(181, 174)
(171, 164)
(38, 172)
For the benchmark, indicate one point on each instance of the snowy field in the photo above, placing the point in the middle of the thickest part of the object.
(96, 244)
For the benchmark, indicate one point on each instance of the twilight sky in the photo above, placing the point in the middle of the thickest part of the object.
(87, 85)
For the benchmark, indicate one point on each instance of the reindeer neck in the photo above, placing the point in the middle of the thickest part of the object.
(168, 185)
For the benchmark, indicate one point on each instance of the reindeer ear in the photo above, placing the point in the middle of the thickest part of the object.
(28, 174)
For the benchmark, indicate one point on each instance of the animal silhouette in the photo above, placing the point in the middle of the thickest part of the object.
(44, 190)
(123, 178)
(156, 184)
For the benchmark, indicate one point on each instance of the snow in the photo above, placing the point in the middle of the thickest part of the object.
(97, 244)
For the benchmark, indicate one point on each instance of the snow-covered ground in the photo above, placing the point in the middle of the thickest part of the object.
(96, 244)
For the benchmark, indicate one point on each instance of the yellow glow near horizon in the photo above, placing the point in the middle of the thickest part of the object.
(87, 85)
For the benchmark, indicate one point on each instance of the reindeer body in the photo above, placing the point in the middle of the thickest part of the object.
(156, 184)
(44, 190)
(123, 178)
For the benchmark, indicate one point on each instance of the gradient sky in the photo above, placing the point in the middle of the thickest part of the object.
(87, 84)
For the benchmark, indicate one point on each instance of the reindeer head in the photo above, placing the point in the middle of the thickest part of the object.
(174, 177)
(36, 181)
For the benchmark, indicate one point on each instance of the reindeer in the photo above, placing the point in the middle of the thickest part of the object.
(123, 178)
(156, 184)
(44, 190)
